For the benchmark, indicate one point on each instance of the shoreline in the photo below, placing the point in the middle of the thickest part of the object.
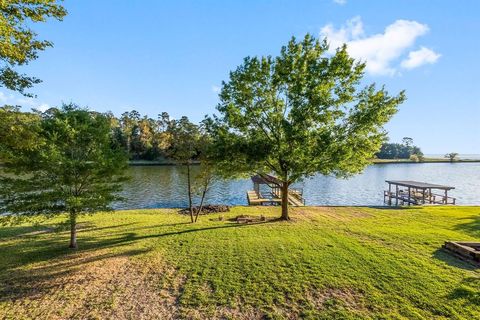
(246, 206)
(426, 160)
(139, 163)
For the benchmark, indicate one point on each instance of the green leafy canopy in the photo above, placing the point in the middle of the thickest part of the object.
(18, 42)
(301, 113)
(71, 164)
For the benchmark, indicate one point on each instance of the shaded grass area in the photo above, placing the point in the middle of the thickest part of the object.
(329, 262)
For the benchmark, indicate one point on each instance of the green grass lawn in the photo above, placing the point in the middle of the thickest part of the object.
(335, 262)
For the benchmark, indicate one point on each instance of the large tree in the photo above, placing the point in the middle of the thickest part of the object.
(300, 113)
(72, 167)
(18, 42)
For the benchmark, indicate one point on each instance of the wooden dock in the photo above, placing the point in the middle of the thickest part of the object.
(295, 197)
(274, 197)
(416, 193)
(254, 199)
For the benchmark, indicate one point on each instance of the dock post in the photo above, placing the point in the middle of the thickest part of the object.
(409, 196)
(389, 194)
(396, 195)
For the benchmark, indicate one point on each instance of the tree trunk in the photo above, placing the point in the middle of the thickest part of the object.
(201, 201)
(189, 192)
(73, 230)
(285, 201)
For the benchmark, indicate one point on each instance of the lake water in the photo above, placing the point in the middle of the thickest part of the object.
(165, 186)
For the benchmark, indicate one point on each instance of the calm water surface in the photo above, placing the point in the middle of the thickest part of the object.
(165, 186)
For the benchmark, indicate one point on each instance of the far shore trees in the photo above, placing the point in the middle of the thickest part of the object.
(18, 42)
(300, 113)
(72, 165)
(404, 150)
(142, 137)
(452, 156)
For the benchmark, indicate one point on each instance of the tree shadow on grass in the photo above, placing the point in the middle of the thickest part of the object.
(45, 265)
(130, 237)
(9, 233)
(36, 250)
(468, 289)
(472, 227)
(454, 260)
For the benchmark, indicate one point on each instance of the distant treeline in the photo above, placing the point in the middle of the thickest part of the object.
(145, 138)
(404, 150)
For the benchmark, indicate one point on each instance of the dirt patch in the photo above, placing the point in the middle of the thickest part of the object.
(91, 286)
(220, 312)
(317, 302)
(343, 297)
(102, 285)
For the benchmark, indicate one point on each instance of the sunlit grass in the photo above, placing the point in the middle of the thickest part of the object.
(328, 262)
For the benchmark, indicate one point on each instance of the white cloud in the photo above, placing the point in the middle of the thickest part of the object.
(420, 57)
(216, 89)
(43, 107)
(380, 51)
(340, 2)
(25, 102)
(4, 98)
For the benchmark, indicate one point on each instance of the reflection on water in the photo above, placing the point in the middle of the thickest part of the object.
(165, 186)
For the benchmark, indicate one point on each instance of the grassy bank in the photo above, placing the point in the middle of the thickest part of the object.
(328, 262)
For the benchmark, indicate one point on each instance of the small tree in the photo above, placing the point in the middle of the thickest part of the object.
(19, 43)
(184, 149)
(204, 182)
(300, 113)
(452, 156)
(73, 168)
(407, 141)
(209, 171)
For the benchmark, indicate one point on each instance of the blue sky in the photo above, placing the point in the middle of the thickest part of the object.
(171, 56)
